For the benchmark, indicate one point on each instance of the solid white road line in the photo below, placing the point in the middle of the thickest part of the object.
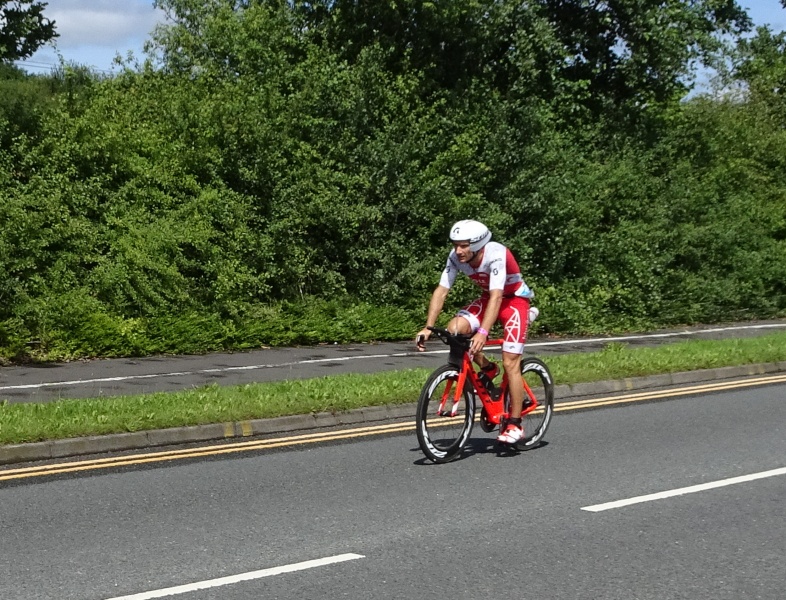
(626, 338)
(211, 583)
(377, 357)
(686, 490)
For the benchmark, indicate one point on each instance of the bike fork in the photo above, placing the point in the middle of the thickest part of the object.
(445, 397)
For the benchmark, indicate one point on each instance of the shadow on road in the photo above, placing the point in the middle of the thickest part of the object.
(484, 446)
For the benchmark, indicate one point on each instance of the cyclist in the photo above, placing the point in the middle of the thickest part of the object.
(505, 297)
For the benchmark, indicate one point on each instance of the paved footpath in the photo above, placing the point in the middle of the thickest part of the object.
(313, 362)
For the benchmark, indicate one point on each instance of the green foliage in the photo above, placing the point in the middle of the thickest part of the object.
(23, 100)
(286, 172)
(621, 57)
(74, 325)
(762, 67)
(23, 29)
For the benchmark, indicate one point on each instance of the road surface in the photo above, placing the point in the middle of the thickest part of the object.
(369, 518)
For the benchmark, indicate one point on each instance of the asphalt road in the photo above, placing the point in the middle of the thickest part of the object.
(112, 377)
(487, 526)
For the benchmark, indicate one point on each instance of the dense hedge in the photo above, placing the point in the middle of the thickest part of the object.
(270, 189)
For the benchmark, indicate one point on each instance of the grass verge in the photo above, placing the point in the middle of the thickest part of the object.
(21, 423)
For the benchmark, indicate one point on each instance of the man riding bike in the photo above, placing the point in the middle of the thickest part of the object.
(505, 297)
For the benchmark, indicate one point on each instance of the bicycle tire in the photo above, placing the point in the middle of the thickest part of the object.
(443, 437)
(538, 377)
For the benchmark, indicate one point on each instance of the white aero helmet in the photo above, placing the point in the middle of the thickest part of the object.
(475, 232)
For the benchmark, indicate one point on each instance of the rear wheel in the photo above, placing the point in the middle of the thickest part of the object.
(539, 381)
(442, 428)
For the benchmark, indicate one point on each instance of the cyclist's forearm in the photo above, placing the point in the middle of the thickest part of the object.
(492, 310)
(435, 306)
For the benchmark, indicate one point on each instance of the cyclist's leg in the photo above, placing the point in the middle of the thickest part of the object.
(467, 321)
(459, 324)
(511, 362)
(514, 317)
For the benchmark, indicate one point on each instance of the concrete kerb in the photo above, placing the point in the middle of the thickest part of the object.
(18, 453)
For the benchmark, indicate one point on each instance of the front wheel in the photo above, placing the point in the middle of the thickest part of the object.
(443, 427)
(540, 383)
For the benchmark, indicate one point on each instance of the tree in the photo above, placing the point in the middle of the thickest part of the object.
(585, 56)
(628, 54)
(590, 59)
(23, 29)
(762, 69)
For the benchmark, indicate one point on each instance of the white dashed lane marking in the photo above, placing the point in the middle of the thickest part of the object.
(224, 581)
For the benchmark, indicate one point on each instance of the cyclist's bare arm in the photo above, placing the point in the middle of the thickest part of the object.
(489, 318)
(434, 309)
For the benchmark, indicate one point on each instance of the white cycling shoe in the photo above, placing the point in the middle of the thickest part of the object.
(511, 434)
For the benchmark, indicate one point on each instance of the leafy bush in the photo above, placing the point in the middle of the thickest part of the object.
(282, 177)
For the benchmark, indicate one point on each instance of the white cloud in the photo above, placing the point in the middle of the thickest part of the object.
(110, 23)
(92, 32)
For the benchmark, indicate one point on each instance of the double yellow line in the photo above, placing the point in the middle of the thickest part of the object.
(358, 432)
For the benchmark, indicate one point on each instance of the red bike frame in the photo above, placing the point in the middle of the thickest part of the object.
(495, 408)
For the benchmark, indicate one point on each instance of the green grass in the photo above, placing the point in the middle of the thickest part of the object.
(213, 404)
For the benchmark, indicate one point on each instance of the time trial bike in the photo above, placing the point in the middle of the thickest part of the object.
(448, 401)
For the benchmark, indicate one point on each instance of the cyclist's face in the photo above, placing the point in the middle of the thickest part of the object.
(463, 252)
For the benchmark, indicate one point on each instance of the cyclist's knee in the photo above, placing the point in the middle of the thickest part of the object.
(511, 362)
(459, 325)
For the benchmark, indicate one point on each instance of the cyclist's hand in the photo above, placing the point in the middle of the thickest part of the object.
(422, 338)
(477, 343)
